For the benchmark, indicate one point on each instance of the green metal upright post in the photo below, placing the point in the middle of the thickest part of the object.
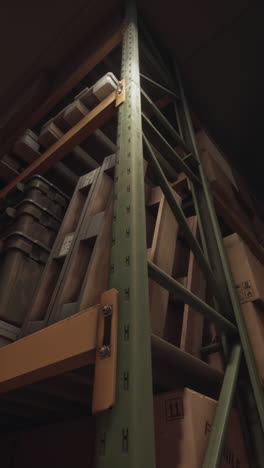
(125, 434)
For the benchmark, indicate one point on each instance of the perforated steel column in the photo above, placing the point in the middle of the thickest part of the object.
(125, 434)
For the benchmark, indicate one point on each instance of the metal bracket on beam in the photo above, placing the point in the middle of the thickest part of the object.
(104, 390)
(120, 93)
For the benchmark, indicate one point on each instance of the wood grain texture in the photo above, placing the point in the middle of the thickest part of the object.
(162, 254)
(49, 352)
(97, 117)
(192, 325)
(46, 93)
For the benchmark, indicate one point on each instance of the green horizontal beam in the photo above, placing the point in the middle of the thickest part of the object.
(172, 156)
(169, 283)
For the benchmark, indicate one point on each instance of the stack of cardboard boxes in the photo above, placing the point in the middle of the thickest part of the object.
(248, 275)
(183, 421)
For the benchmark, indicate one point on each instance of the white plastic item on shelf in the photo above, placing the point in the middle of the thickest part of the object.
(59, 120)
(49, 134)
(90, 97)
(27, 146)
(105, 86)
(75, 112)
(87, 97)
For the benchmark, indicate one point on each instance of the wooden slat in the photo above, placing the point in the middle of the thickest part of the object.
(162, 254)
(192, 324)
(106, 39)
(68, 227)
(97, 117)
(54, 350)
(97, 274)
(85, 257)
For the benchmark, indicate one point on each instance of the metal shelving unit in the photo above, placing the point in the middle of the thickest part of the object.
(125, 434)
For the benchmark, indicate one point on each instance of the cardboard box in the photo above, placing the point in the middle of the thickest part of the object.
(217, 178)
(254, 319)
(183, 421)
(247, 270)
(207, 147)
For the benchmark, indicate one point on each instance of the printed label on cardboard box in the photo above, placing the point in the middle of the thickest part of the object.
(174, 409)
(66, 245)
(245, 290)
(228, 454)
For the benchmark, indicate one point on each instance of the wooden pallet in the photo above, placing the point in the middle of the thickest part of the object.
(89, 199)
(184, 327)
(61, 250)
(87, 272)
(162, 225)
(192, 323)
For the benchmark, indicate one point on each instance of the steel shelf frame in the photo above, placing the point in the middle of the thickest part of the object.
(125, 434)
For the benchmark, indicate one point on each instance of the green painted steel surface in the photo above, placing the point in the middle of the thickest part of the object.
(158, 85)
(171, 155)
(125, 435)
(216, 251)
(215, 447)
(167, 282)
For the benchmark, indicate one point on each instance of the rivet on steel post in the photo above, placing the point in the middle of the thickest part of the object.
(105, 351)
(104, 391)
(107, 310)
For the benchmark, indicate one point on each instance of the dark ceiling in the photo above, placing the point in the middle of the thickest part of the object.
(217, 44)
